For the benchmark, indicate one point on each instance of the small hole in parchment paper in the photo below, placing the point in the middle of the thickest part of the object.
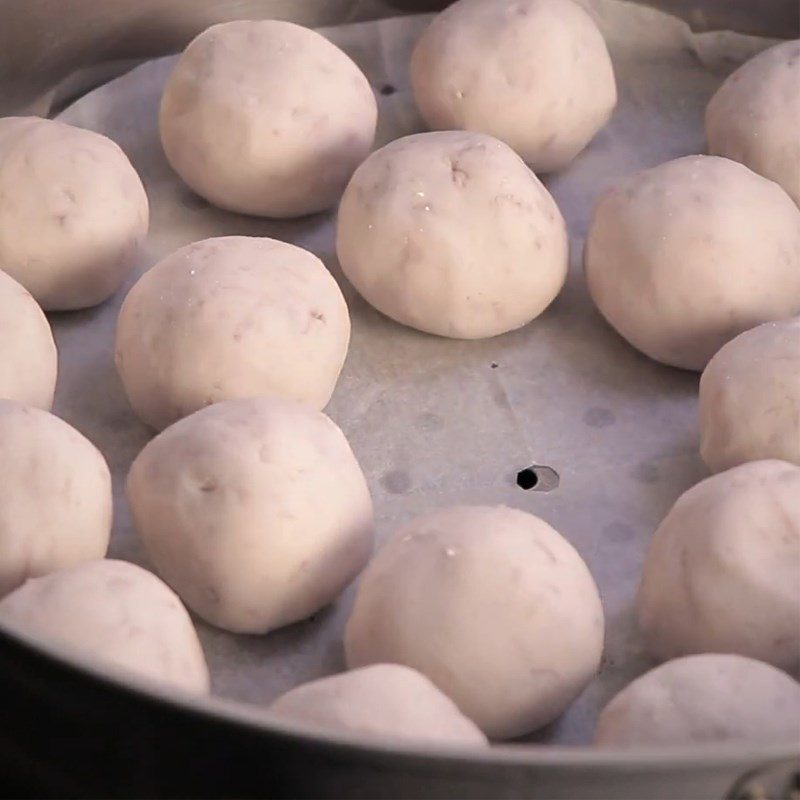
(537, 477)
(527, 479)
(387, 89)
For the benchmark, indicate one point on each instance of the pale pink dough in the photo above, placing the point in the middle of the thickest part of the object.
(750, 398)
(451, 233)
(231, 317)
(117, 614)
(255, 511)
(28, 355)
(722, 572)
(73, 212)
(683, 257)
(384, 700)
(534, 73)
(703, 699)
(755, 115)
(266, 117)
(491, 604)
(55, 496)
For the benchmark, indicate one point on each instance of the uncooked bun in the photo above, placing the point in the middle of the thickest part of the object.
(386, 700)
(703, 699)
(28, 356)
(452, 234)
(750, 398)
(493, 605)
(266, 117)
(231, 317)
(114, 612)
(753, 117)
(73, 212)
(721, 572)
(55, 496)
(534, 73)
(685, 256)
(255, 511)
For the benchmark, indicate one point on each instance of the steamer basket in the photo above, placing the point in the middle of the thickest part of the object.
(70, 729)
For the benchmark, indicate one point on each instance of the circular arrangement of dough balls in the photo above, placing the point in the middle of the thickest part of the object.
(55, 496)
(116, 613)
(703, 699)
(452, 234)
(753, 117)
(721, 572)
(28, 355)
(491, 604)
(255, 511)
(227, 318)
(386, 700)
(73, 212)
(750, 398)
(266, 117)
(685, 256)
(534, 73)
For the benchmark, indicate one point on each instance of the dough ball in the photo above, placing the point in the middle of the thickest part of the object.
(386, 700)
(703, 699)
(255, 511)
(685, 256)
(452, 234)
(753, 117)
(28, 355)
(73, 212)
(117, 613)
(721, 572)
(266, 117)
(226, 318)
(534, 73)
(493, 605)
(750, 398)
(55, 496)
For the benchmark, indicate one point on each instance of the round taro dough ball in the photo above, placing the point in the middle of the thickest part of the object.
(55, 496)
(534, 73)
(493, 605)
(750, 398)
(255, 511)
(267, 118)
(703, 699)
(73, 212)
(28, 356)
(226, 318)
(386, 700)
(452, 234)
(683, 257)
(114, 612)
(721, 573)
(753, 117)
